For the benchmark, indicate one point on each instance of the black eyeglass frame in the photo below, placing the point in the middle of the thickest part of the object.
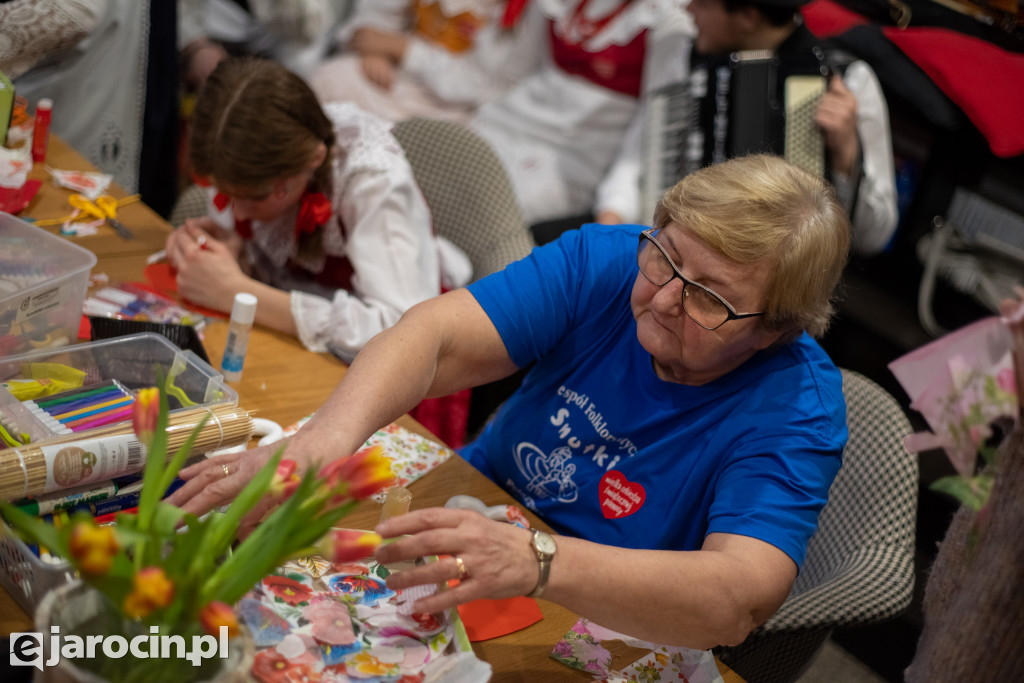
(731, 312)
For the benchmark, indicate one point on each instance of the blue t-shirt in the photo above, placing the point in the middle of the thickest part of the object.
(601, 448)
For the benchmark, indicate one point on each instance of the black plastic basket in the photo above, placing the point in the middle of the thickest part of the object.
(183, 336)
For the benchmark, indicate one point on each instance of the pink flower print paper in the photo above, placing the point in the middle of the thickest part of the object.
(411, 455)
(581, 648)
(962, 384)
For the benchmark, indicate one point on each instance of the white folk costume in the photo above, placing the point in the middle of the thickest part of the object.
(560, 129)
(374, 256)
(459, 54)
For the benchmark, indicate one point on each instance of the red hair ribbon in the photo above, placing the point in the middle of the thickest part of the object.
(513, 8)
(313, 212)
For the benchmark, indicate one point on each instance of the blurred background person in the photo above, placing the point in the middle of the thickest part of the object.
(111, 69)
(852, 116)
(431, 58)
(560, 129)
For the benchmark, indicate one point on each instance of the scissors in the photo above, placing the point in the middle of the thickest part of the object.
(105, 208)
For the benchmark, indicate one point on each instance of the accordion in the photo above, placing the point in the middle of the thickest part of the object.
(749, 103)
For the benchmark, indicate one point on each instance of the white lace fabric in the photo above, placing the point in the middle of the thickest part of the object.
(33, 30)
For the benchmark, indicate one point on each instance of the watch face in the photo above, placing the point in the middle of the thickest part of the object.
(544, 543)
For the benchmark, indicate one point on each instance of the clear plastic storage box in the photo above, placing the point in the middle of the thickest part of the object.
(43, 280)
(136, 361)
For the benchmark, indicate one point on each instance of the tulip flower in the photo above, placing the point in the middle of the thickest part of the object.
(348, 545)
(285, 480)
(145, 411)
(92, 547)
(151, 589)
(217, 614)
(360, 475)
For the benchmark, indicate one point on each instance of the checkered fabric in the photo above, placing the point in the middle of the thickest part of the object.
(859, 567)
(191, 203)
(468, 192)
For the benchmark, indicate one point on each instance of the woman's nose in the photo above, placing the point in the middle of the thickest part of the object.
(669, 297)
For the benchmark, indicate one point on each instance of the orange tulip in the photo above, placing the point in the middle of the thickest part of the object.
(217, 614)
(360, 475)
(285, 480)
(151, 589)
(348, 545)
(145, 411)
(92, 547)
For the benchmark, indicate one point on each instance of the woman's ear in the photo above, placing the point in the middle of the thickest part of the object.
(318, 156)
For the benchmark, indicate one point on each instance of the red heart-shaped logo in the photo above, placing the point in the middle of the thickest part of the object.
(619, 496)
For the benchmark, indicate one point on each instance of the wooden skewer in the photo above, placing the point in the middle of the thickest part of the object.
(23, 471)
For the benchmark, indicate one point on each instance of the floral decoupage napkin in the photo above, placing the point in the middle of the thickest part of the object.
(313, 621)
(581, 648)
(411, 455)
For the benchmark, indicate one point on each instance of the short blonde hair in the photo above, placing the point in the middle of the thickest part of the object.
(761, 208)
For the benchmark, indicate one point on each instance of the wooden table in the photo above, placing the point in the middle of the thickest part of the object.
(284, 382)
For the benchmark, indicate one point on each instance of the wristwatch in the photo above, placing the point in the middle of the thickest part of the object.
(545, 548)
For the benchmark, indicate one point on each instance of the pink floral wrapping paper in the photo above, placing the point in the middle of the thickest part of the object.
(961, 384)
(581, 649)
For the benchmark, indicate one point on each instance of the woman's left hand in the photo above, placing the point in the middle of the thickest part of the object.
(498, 559)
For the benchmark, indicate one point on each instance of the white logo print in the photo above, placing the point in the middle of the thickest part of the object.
(547, 476)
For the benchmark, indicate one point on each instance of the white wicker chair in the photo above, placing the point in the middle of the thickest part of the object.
(859, 568)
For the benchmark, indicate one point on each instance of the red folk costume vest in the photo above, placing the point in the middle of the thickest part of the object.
(616, 67)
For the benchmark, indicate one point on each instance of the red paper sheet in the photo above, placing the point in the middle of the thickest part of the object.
(486, 619)
(162, 281)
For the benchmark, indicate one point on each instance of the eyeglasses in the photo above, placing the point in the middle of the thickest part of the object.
(704, 307)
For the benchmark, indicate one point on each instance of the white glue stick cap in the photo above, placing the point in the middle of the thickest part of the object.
(244, 309)
(45, 103)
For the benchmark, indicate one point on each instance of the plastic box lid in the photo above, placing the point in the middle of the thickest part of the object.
(135, 361)
(43, 281)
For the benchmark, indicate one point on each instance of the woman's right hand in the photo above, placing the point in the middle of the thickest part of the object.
(217, 481)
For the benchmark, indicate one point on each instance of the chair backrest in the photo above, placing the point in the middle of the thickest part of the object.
(859, 567)
(873, 500)
(468, 192)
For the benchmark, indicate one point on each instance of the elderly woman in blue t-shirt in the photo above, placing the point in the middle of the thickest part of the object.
(679, 420)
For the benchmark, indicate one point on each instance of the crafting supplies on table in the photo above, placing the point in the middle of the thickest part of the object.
(52, 463)
(43, 279)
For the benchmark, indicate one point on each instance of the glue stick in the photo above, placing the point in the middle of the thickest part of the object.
(41, 130)
(243, 312)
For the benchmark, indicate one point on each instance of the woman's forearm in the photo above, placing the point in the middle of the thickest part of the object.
(440, 346)
(698, 599)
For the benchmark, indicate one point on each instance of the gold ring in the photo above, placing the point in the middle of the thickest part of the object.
(225, 468)
(463, 572)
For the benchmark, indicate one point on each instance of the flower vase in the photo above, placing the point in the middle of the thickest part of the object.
(80, 610)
